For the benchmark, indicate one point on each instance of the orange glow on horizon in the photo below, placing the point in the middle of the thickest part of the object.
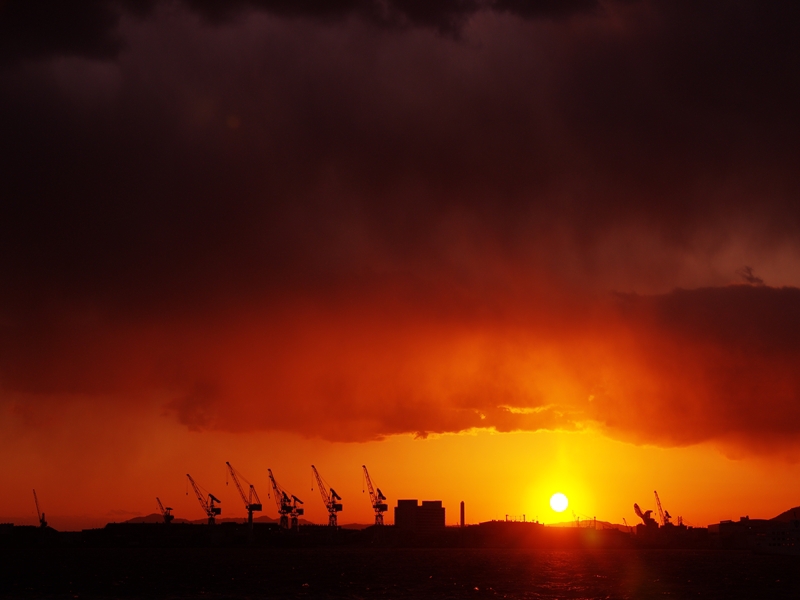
(495, 474)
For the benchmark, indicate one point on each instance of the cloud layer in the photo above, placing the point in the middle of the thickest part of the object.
(89, 28)
(355, 219)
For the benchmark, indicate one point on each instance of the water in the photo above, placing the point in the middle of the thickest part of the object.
(394, 573)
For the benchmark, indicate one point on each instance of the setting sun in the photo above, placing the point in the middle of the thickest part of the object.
(559, 502)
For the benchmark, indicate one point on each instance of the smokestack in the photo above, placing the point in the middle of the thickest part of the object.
(462, 513)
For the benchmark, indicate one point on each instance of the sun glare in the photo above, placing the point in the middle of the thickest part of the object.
(559, 502)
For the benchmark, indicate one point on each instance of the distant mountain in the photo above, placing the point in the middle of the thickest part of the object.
(588, 523)
(789, 515)
(264, 519)
(153, 518)
(157, 518)
(355, 526)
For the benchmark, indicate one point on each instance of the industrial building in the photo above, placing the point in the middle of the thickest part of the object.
(410, 515)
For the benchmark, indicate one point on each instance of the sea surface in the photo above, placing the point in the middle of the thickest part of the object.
(393, 573)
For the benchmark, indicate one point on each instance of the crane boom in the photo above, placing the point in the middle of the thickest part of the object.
(207, 504)
(377, 499)
(323, 491)
(166, 513)
(251, 502)
(281, 501)
(329, 498)
(664, 516)
(42, 521)
(286, 504)
(645, 516)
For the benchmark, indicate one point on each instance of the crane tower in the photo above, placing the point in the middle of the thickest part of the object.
(663, 514)
(251, 500)
(42, 521)
(329, 498)
(166, 513)
(287, 505)
(377, 498)
(645, 516)
(207, 504)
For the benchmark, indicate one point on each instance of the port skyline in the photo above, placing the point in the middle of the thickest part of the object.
(512, 494)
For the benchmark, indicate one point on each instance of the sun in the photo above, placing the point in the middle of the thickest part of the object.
(559, 502)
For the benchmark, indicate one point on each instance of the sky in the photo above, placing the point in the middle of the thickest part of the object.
(492, 249)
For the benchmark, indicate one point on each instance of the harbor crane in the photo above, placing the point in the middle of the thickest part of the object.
(287, 505)
(645, 516)
(42, 521)
(207, 504)
(377, 498)
(251, 500)
(166, 513)
(663, 514)
(329, 498)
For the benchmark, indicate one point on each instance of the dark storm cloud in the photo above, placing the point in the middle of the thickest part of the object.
(443, 15)
(88, 28)
(712, 364)
(385, 230)
(746, 273)
(44, 28)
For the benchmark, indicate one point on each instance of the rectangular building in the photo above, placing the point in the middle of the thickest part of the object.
(411, 516)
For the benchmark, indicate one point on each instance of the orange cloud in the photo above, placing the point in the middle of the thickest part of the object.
(691, 366)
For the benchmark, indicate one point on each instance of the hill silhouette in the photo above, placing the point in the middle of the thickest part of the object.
(589, 523)
(153, 518)
(355, 526)
(157, 518)
(792, 514)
